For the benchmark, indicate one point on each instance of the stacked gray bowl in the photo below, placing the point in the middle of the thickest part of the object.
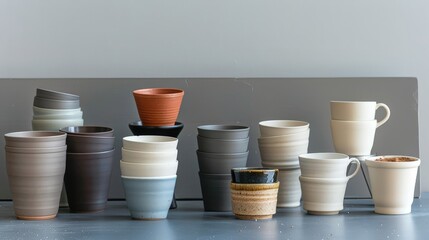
(54, 110)
(220, 148)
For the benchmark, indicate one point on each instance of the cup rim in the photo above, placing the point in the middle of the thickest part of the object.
(151, 164)
(294, 124)
(312, 156)
(346, 101)
(158, 92)
(99, 130)
(46, 135)
(223, 128)
(144, 152)
(146, 139)
(370, 162)
(149, 178)
(58, 93)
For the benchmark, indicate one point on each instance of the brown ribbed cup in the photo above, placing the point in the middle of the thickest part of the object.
(158, 106)
(254, 201)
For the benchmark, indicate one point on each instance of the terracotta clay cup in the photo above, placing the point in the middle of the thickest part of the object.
(36, 179)
(158, 106)
(137, 128)
(87, 180)
(254, 201)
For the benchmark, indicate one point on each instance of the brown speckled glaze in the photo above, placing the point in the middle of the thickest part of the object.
(254, 201)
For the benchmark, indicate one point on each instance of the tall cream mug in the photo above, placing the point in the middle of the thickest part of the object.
(357, 111)
(354, 138)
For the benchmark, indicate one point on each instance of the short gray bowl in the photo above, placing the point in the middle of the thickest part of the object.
(55, 104)
(223, 131)
(212, 145)
(216, 192)
(51, 94)
(217, 163)
(88, 144)
(89, 131)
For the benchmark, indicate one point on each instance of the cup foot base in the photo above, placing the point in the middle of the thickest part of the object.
(253, 217)
(392, 211)
(36, 217)
(288, 205)
(86, 211)
(327, 213)
(147, 219)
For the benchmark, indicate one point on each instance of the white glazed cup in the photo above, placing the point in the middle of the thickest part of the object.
(326, 165)
(148, 170)
(148, 157)
(357, 111)
(150, 143)
(323, 196)
(289, 194)
(290, 138)
(272, 128)
(392, 184)
(354, 138)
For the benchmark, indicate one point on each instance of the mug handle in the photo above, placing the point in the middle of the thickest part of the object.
(357, 167)
(384, 120)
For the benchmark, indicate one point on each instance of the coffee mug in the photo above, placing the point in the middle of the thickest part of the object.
(354, 138)
(357, 111)
(326, 165)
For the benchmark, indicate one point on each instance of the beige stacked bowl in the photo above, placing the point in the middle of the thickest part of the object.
(280, 144)
(149, 172)
(36, 163)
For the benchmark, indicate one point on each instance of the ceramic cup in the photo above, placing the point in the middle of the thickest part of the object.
(131, 156)
(158, 106)
(216, 192)
(36, 179)
(89, 130)
(290, 189)
(51, 94)
(35, 139)
(148, 170)
(88, 144)
(357, 111)
(282, 152)
(149, 198)
(290, 138)
(55, 104)
(254, 201)
(150, 143)
(323, 196)
(212, 145)
(255, 175)
(223, 131)
(137, 128)
(354, 138)
(326, 165)
(219, 163)
(87, 180)
(392, 183)
(48, 111)
(272, 128)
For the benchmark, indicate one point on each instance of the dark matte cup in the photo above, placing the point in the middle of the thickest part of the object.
(87, 180)
(137, 128)
(89, 130)
(218, 163)
(254, 175)
(89, 144)
(51, 94)
(214, 145)
(223, 131)
(55, 104)
(216, 192)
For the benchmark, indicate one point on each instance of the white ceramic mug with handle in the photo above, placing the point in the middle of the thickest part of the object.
(326, 165)
(358, 111)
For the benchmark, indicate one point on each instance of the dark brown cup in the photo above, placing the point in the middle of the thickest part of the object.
(89, 131)
(87, 180)
(89, 144)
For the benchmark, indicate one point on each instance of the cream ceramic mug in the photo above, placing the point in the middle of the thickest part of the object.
(326, 165)
(354, 138)
(357, 111)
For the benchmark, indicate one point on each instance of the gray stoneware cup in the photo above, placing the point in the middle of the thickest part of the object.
(149, 198)
(212, 145)
(88, 144)
(218, 163)
(223, 131)
(55, 104)
(51, 94)
(216, 192)
(36, 180)
(89, 131)
(35, 139)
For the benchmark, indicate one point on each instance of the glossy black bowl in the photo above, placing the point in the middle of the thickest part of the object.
(137, 128)
(254, 175)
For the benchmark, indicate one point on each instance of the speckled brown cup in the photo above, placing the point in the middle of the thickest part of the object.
(254, 201)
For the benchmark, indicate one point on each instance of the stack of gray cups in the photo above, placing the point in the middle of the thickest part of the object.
(54, 110)
(280, 144)
(220, 148)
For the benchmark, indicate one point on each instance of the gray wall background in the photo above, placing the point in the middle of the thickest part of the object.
(225, 38)
(109, 102)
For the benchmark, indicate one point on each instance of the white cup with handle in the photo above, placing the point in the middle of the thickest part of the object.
(358, 111)
(326, 165)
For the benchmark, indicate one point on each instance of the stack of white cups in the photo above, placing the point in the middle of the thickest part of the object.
(280, 144)
(148, 168)
(54, 110)
(353, 126)
(324, 181)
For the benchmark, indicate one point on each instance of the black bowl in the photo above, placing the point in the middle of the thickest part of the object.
(137, 128)
(254, 175)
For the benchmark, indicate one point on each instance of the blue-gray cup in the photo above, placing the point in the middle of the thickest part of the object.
(149, 198)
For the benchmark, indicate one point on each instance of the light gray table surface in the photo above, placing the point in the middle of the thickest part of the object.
(189, 221)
